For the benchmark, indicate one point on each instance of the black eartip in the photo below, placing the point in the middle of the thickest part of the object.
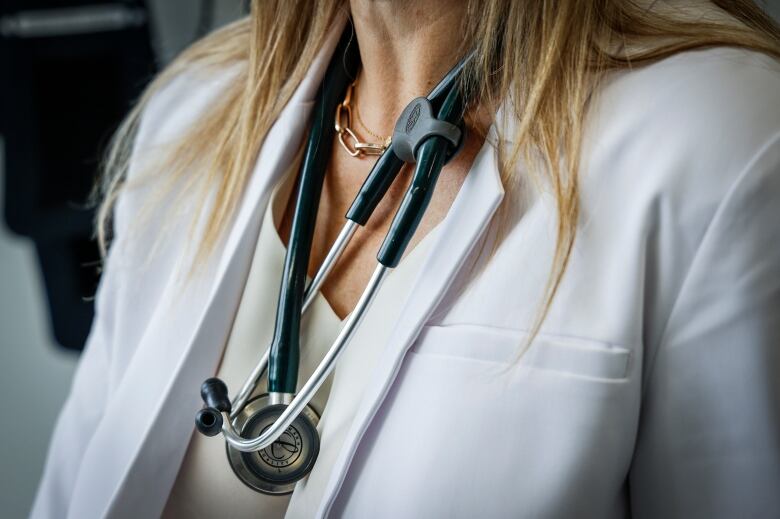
(208, 421)
(215, 394)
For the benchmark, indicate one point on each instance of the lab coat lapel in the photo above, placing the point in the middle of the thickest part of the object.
(461, 230)
(167, 369)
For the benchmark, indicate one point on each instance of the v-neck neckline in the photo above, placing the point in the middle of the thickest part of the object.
(274, 212)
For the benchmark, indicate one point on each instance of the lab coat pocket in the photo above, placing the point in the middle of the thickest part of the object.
(468, 431)
(577, 357)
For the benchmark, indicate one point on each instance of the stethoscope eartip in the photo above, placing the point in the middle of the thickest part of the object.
(208, 421)
(215, 395)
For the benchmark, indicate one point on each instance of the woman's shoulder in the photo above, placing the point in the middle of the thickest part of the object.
(153, 202)
(677, 150)
(720, 95)
(180, 99)
(682, 163)
(690, 125)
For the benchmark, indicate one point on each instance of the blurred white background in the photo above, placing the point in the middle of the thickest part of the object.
(35, 374)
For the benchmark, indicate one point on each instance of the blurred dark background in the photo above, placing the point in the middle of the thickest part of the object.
(69, 71)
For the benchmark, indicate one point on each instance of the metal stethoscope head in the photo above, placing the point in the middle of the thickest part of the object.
(272, 440)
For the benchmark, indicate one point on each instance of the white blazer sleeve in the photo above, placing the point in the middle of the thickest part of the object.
(120, 317)
(81, 413)
(709, 432)
(90, 389)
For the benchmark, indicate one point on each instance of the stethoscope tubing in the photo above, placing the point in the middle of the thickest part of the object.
(408, 215)
(335, 252)
(321, 373)
(384, 172)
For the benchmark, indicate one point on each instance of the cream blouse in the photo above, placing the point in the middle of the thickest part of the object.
(206, 486)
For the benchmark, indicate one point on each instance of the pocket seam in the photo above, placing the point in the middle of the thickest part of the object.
(551, 353)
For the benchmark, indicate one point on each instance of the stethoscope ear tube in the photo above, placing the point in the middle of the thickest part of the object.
(431, 154)
(374, 188)
(443, 88)
(389, 164)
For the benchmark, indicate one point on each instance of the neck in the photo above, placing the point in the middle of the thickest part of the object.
(406, 47)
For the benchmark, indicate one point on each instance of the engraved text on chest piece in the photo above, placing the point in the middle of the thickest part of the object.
(285, 451)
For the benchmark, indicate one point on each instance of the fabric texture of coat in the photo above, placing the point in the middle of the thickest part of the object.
(652, 391)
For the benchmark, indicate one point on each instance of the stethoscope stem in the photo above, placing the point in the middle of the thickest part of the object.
(307, 392)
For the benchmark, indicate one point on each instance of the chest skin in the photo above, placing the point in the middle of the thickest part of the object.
(345, 175)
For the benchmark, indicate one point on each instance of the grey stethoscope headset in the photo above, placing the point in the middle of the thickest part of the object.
(272, 439)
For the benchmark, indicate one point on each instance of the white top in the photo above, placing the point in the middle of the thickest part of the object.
(206, 486)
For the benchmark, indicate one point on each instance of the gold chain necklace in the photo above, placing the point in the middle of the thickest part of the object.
(365, 127)
(349, 141)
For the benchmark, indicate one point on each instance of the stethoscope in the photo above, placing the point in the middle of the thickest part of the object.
(272, 439)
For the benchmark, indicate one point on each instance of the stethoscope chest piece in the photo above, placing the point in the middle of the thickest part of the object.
(277, 468)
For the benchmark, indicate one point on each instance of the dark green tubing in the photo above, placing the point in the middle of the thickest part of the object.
(387, 167)
(431, 157)
(285, 348)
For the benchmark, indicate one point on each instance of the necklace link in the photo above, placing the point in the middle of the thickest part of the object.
(343, 117)
(347, 137)
(352, 149)
(371, 148)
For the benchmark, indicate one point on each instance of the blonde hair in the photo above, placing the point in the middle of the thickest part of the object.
(561, 50)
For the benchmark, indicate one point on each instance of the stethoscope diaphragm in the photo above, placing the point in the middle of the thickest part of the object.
(275, 469)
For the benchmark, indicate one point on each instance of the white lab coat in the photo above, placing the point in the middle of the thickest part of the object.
(652, 391)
